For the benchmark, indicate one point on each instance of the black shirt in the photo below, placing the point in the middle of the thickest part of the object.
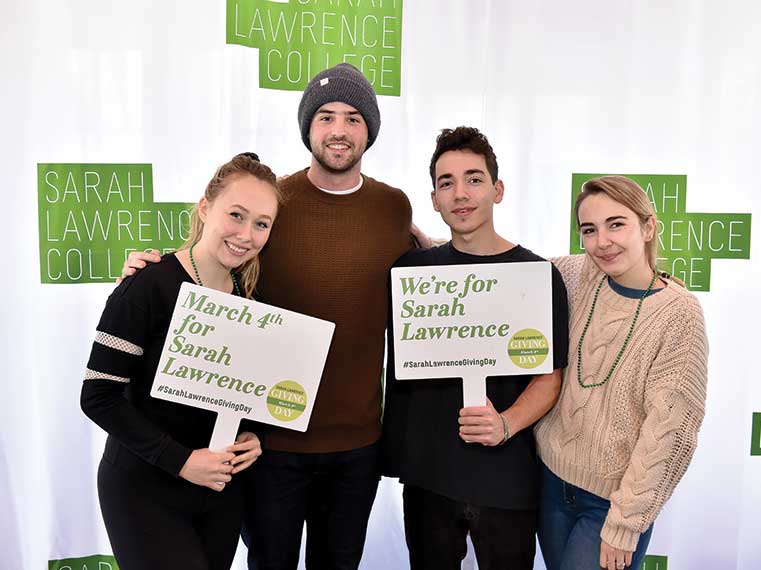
(122, 366)
(421, 443)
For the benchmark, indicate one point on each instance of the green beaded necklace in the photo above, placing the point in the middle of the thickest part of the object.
(628, 335)
(198, 277)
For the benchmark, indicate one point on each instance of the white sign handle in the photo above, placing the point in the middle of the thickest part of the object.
(224, 432)
(473, 391)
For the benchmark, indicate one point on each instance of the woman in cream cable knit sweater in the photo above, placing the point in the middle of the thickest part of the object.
(625, 427)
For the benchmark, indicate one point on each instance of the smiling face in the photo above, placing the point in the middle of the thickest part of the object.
(237, 223)
(464, 193)
(338, 137)
(615, 239)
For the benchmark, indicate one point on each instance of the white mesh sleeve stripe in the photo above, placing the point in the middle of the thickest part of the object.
(95, 375)
(117, 343)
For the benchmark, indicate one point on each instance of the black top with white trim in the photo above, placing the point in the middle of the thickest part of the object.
(123, 362)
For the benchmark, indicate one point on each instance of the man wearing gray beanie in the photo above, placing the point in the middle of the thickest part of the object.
(336, 237)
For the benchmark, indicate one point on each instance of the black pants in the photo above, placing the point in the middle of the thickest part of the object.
(436, 528)
(156, 521)
(332, 492)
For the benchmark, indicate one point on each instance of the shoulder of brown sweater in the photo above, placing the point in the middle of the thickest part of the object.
(288, 182)
(382, 186)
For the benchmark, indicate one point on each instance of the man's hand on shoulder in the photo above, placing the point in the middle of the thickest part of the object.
(136, 261)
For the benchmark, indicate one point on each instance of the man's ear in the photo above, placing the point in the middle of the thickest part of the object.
(434, 201)
(499, 187)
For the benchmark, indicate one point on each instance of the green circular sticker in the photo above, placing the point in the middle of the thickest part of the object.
(528, 348)
(286, 400)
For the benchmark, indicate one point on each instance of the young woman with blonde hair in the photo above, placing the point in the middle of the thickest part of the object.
(625, 427)
(167, 500)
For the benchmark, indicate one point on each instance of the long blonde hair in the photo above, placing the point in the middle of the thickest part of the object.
(243, 164)
(627, 192)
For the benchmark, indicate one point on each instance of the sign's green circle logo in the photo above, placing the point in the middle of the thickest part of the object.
(528, 348)
(286, 400)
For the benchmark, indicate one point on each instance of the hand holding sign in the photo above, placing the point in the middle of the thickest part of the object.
(241, 359)
(208, 468)
(246, 448)
(482, 424)
(214, 469)
(472, 321)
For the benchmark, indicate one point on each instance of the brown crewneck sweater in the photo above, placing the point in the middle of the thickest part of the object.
(329, 257)
(631, 439)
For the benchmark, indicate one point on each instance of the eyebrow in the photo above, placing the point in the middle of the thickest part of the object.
(447, 175)
(607, 220)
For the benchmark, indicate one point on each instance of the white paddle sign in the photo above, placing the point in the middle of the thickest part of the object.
(472, 321)
(241, 359)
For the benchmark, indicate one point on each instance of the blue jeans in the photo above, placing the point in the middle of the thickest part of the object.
(570, 520)
(332, 492)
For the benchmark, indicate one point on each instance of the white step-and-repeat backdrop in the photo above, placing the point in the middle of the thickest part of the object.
(115, 114)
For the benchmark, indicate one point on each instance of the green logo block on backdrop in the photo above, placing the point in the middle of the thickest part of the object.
(298, 38)
(655, 563)
(96, 562)
(687, 241)
(91, 216)
(755, 435)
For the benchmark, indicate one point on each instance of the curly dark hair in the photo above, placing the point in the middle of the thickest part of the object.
(464, 138)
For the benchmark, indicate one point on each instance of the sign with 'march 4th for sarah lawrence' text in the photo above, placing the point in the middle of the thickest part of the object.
(241, 359)
(472, 321)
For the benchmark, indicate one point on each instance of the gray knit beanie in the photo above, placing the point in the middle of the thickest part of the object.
(346, 84)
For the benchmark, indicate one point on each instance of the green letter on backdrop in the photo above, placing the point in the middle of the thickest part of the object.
(755, 434)
(687, 242)
(96, 562)
(91, 216)
(655, 563)
(299, 38)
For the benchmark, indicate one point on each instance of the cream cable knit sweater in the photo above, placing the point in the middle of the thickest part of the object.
(631, 439)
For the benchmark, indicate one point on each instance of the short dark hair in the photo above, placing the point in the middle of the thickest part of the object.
(464, 138)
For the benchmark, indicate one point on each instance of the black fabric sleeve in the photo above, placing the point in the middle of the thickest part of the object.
(394, 409)
(559, 321)
(119, 344)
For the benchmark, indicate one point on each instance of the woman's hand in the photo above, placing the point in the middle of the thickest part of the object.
(482, 424)
(421, 237)
(208, 468)
(246, 448)
(613, 558)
